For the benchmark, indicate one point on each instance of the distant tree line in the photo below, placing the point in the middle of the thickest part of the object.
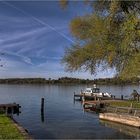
(69, 80)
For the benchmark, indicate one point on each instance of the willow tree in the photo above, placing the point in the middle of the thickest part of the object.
(109, 37)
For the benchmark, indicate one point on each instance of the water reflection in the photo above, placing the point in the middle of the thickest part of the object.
(42, 116)
(128, 130)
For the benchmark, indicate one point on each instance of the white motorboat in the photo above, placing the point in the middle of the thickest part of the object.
(96, 92)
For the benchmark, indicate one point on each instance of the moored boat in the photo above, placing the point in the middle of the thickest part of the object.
(94, 91)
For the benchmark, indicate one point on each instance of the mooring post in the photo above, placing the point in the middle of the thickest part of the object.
(135, 112)
(116, 109)
(42, 104)
(130, 108)
(6, 110)
(17, 109)
(121, 97)
(138, 98)
(114, 96)
(83, 98)
(131, 105)
(42, 109)
(74, 95)
(95, 98)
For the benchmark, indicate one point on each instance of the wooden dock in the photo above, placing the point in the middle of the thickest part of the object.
(125, 115)
(97, 105)
(121, 118)
(96, 102)
(11, 108)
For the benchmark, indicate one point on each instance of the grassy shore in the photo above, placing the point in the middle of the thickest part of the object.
(122, 103)
(8, 130)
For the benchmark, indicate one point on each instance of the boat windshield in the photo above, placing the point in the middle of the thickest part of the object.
(95, 90)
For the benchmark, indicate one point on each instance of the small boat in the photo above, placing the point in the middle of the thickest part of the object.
(96, 92)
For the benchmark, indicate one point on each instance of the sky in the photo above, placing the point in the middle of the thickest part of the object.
(34, 36)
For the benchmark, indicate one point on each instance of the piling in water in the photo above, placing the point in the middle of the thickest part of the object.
(121, 97)
(42, 109)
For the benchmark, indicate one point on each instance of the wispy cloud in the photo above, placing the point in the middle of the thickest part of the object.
(9, 56)
(33, 36)
(38, 20)
(21, 36)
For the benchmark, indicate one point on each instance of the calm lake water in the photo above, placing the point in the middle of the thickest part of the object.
(63, 119)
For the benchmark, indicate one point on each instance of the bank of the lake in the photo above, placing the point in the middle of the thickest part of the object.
(70, 80)
(9, 129)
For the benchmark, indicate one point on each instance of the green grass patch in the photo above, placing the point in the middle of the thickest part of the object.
(135, 104)
(8, 130)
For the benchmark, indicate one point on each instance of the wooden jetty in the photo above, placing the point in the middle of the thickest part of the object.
(124, 115)
(92, 102)
(121, 118)
(97, 104)
(11, 108)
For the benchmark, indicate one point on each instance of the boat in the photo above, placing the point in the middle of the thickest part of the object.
(94, 91)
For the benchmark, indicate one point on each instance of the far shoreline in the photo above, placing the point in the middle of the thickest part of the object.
(70, 81)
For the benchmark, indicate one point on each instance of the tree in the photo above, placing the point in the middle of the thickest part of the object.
(108, 37)
(63, 3)
(1, 65)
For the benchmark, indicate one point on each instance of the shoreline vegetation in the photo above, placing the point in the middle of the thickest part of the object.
(70, 80)
(9, 129)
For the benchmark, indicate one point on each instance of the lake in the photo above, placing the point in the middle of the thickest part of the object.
(63, 118)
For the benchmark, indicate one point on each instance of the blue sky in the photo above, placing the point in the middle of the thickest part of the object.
(33, 37)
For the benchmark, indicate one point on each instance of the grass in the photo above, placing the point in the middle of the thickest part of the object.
(135, 104)
(8, 130)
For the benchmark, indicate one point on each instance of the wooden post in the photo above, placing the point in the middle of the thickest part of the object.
(131, 105)
(74, 96)
(114, 97)
(121, 97)
(6, 110)
(84, 105)
(42, 109)
(42, 104)
(135, 112)
(116, 109)
(12, 111)
(17, 109)
(138, 98)
(83, 99)
(95, 98)
(130, 109)
(9, 110)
